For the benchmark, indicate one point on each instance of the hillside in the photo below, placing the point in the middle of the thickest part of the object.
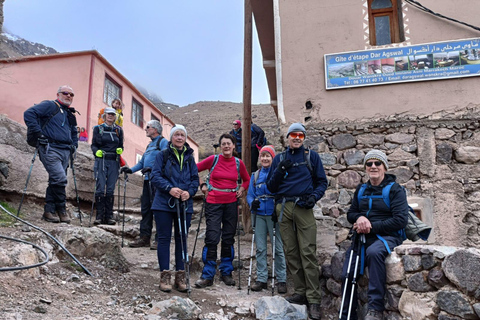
(207, 120)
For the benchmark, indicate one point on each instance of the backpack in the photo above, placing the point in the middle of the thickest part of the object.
(158, 143)
(101, 129)
(265, 142)
(215, 161)
(32, 138)
(415, 230)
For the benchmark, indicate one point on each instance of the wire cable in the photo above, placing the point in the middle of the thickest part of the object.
(420, 6)
(47, 258)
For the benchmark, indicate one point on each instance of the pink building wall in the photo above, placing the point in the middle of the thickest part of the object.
(311, 28)
(30, 80)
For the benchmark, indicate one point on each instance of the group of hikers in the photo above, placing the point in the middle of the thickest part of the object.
(281, 196)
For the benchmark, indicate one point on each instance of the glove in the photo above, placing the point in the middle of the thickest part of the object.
(42, 140)
(99, 154)
(311, 201)
(255, 205)
(284, 165)
(125, 170)
(146, 170)
(119, 150)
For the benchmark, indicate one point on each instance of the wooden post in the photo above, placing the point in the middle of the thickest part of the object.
(247, 105)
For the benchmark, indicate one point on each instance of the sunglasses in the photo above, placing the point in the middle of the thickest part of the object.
(111, 114)
(71, 94)
(297, 135)
(147, 127)
(235, 124)
(377, 163)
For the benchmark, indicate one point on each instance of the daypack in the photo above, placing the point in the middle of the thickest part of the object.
(101, 129)
(215, 161)
(158, 143)
(415, 230)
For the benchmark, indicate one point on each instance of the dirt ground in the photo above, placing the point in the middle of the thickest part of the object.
(61, 290)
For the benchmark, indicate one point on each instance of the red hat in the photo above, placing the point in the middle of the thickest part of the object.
(270, 149)
(238, 122)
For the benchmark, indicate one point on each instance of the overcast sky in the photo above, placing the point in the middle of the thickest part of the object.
(183, 50)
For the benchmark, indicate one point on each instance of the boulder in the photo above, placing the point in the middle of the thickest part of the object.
(467, 278)
(277, 308)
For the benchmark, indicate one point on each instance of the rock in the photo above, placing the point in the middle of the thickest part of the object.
(400, 155)
(40, 309)
(399, 138)
(455, 303)
(476, 308)
(337, 265)
(426, 148)
(328, 159)
(444, 133)
(414, 305)
(445, 316)
(370, 140)
(418, 282)
(349, 179)
(444, 153)
(334, 287)
(412, 263)
(393, 295)
(428, 262)
(344, 197)
(353, 156)
(409, 147)
(277, 308)
(180, 307)
(467, 154)
(344, 141)
(395, 271)
(403, 174)
(467, 278)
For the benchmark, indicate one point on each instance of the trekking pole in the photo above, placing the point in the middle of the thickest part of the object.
(26, 183)
(251, 254)
(76, 190)
(238, 240)
(94, 193)
(177, 204)
(187, 264)
(274, 219)
(198, 229)
(118, 200)
(352, 252)
(125, 177)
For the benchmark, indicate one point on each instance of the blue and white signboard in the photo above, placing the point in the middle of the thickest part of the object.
(430, 61)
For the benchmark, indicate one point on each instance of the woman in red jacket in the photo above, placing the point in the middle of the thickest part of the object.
(222, 189)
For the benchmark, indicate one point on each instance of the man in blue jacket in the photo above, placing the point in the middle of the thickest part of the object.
(298, 181)
(54, 126)
(158, 143)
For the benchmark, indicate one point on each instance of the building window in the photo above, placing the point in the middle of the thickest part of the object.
(111, 91)
(385, 22)
(137, 113)
(154, 118)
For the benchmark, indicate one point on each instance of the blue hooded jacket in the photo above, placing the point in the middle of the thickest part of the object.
(164, 179)
(148, 158)
(258, 189)
(299, 182)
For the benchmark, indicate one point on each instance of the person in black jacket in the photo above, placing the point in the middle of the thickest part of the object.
(237, 133)
(257, 142)
(54, 127)
(107, 146)
(380, 223)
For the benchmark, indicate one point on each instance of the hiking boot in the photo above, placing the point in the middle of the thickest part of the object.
(282, 287)
(374, 315)
(97, 222)
(50, 217)
(314, 311)
(180, 281)
(228, 280)
(111, 222)
(297, 299)
(64, 217)
(140, 242)
(259, 286)
(165, 278)
(203, 283)
(154, 245)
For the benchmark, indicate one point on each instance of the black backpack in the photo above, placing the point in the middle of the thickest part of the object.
(32, 137)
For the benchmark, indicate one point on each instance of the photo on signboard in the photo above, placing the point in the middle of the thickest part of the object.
(420, 61)
(446, 59)
(361, 68)
(388, 65)
(374, 67)
(401, 64)
(340, 70)
(471, 56)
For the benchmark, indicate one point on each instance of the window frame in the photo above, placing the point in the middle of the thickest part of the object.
(137, 115)
(107, 98)
(396, 21)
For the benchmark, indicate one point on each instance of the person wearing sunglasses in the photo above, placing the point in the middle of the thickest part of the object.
(153, 131)
(52, 125)
(107, 146)
(298, 181)
(380, 223)
(117, 104)
(237, 133)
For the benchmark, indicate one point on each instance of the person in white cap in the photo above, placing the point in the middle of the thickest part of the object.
(380, 222)
(298, 181)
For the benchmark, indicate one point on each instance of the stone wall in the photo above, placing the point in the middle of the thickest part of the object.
(423, 282)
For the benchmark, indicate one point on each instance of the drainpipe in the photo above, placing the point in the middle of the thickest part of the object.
(278, 60)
